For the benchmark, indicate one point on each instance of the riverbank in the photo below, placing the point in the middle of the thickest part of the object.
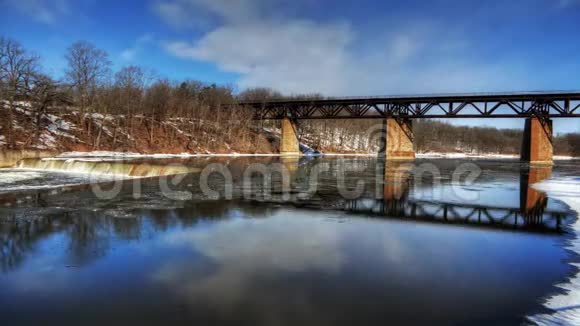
(63, 130)
(129, 155)
(10, 158)
(565, 306)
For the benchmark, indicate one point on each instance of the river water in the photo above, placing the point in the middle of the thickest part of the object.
(336, 241)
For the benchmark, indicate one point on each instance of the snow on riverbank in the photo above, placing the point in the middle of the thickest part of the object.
(564, 189)
(483, 156)
(130, 155)
(566, 306)
(106, 154)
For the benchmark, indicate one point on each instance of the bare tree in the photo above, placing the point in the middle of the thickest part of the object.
(17, 70)
(130, 82)
(157, 103)
(259, 94)
(88, 68)
(45, 93)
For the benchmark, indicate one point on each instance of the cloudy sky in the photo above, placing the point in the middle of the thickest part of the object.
(334, 47)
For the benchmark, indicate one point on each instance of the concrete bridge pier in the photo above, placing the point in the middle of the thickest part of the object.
(397, 139)
(537, 142)
(289, 144)
(533, 202)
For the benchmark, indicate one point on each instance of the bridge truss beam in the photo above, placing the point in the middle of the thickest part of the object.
(551, 105)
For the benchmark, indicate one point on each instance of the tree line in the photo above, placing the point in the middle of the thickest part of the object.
(124, 109)
(141, 103)
(437, 136)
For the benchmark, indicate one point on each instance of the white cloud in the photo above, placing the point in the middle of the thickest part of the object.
(44, 11)
(296, 50)
(304, 56)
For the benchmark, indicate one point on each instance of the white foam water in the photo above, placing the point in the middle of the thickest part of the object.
(97, 167)
(8, 178)
(14, 180)
(566, 306)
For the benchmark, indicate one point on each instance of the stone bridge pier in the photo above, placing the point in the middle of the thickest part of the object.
(397, 139)
(537, 145)
(396, 111)
(289, 144)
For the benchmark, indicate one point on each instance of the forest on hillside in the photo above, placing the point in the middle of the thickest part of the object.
(133, 109)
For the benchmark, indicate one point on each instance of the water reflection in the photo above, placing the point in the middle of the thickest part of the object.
(403, 193)
(393, 193)
(531, 215)
(533, 202)
(317, 259)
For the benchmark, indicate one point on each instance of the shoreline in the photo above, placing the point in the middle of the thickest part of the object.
(564, 306)
(107, 154)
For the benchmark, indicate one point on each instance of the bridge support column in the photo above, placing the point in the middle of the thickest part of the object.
(397, 139)
(537, 142)
(289, 144)
(532, 201)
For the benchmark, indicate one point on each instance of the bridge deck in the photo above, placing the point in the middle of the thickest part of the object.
(474, 105)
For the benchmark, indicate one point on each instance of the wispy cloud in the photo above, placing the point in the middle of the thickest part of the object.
(131, 53)
(44, 11)
(195, 13)
(297, 55)
(568, 3)
(262, 54)
(173, 14)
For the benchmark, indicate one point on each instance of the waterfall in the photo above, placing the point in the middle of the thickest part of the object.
(104, 168)
(9, 157)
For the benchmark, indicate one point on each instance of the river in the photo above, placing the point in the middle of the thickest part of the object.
(329, 241)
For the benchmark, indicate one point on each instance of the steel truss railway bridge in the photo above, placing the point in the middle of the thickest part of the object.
(538, 108)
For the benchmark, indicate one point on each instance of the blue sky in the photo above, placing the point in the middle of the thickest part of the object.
(321, 46)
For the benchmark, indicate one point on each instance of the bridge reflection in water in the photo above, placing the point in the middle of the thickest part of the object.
(90, 222)
(396, 202)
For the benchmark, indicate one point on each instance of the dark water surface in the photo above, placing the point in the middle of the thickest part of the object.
(414, 249)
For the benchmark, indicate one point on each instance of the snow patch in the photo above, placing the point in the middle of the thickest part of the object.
(566, 306)
(465, 155)
(99, 154)
(130, 155)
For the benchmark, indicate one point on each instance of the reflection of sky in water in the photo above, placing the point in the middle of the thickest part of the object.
(498, 185)
(292, 267)
(270, 264)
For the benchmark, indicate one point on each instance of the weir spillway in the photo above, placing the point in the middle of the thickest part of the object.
(123, 168)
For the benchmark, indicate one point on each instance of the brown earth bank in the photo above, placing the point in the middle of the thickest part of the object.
(61, 129)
